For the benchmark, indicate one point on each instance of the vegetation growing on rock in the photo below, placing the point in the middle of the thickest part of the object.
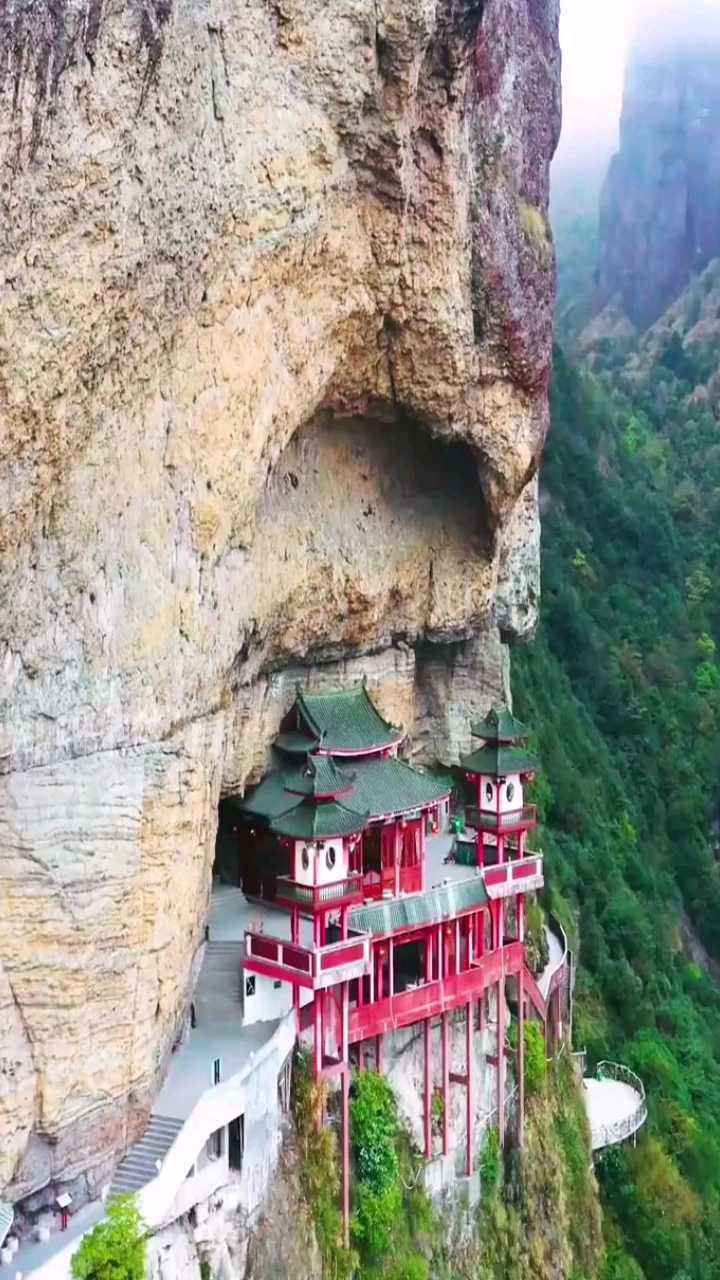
(623, 684)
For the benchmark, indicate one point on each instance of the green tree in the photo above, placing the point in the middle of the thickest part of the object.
(116, 1249)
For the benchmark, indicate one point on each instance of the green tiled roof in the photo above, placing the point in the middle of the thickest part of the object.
(345, 720)
(311, 821)
(268, 799)
(499, 725)
(498, 761)
(320, 777)
(420, 908)
(384, 787)
(379, 788)
(295, 742)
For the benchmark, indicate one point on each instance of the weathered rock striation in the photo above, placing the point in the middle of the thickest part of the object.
(277, 291)
(660, 208)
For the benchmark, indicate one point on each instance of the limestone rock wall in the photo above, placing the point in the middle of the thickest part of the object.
(276, 300)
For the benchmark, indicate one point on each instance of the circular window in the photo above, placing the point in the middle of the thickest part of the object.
(510, 790)
(488, 791)
(305, 858)
(330, 856)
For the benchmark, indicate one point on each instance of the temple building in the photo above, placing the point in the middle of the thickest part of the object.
(385, 919)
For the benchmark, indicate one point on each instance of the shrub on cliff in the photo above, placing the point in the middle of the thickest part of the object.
(116, 1249)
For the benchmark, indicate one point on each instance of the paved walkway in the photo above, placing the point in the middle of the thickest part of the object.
(219, 1033)
(556, 955)
(612, 1107)
(34, 1254)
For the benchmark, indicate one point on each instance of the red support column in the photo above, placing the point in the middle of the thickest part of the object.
(428, 1088)
(397, 848)
(346, 1153)
(521, 917)
(391, 969)
(318, 1028)
(470, 1091)
(501, 1060)
(521, 1060)
(446, 1084)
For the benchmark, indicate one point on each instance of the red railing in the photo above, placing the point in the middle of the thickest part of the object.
(318, 896)
(312, 967)
(521, 876)
(518, 820)
(431, 998)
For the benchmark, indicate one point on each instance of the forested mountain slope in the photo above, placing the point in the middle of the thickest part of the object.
(623, 685)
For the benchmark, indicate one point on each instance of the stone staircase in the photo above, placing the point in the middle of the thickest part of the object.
(140, 1164)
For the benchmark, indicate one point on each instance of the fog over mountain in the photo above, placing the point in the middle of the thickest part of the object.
(598, 41)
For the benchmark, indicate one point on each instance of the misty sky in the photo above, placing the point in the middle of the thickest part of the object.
(595, 38)
(594, 41)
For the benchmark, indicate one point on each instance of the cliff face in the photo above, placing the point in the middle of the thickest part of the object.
(277, 289)
(660, 208)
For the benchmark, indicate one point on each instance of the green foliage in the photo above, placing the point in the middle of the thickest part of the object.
(490, 1163)
(535, 1060)
(116, 1249)
(374, 1128)
(320, 1170)
(622, 687)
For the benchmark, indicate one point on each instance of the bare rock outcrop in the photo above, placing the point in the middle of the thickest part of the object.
(276, 297)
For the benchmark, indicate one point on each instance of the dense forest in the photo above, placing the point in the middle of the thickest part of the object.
(622, 686)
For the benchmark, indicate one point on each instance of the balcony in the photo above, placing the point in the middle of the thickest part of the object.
(428, 999)
(311, 967)
(523, 876)
(517, 820)
(318, 897)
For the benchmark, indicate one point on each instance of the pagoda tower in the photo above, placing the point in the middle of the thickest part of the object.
(497, 772)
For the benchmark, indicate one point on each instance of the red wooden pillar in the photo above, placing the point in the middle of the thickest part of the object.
(345, 1081)
(521, 917)
(391, 968)
(428, 957)
(470, 1091)
(446, 1084)
(318, 1029)
(346, 1153)
(428, 1088)
(397, 853)
(501, 1060)
(521, 1060)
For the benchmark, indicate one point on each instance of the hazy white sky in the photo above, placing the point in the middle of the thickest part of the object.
(594, 41)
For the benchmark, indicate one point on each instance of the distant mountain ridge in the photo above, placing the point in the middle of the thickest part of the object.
(660, 206)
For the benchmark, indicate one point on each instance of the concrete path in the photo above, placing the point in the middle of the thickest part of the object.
(615, 1111)
(556, 956)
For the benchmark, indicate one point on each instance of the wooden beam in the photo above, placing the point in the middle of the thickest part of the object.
(427, 1025)
(501, 1060)
(446, 1083)
(470, 1100)
(521, 1060)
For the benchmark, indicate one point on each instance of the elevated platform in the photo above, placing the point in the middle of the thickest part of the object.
(615, 1103)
